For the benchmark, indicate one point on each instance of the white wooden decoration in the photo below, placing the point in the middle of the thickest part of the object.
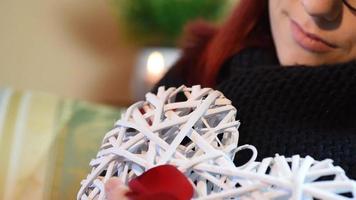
(195, 130)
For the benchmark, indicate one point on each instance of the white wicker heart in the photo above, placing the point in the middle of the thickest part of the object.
(287, 178)
(195, 129)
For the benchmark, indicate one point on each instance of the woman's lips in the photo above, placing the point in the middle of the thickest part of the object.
(308, 41)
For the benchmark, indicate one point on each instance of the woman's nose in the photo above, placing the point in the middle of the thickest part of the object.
(326, 9)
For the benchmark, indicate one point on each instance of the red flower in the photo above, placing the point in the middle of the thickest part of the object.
(164, 182)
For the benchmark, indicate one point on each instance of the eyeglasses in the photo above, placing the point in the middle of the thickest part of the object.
(351, 4)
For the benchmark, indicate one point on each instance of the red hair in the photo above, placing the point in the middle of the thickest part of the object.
(206, 47)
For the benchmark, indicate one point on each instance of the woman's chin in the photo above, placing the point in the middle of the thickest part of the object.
(303, 58)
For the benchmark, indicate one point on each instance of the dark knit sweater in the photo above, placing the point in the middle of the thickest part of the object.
(290, 110)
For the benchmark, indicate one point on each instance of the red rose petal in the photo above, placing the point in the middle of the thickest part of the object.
(164, 182)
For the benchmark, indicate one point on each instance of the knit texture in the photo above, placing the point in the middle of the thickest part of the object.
(293, 109)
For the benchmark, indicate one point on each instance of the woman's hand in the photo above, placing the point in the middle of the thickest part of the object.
(116, 190)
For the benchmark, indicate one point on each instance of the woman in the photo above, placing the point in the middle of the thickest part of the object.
(289, 67)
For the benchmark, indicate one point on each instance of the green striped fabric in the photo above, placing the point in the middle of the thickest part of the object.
(46, 143)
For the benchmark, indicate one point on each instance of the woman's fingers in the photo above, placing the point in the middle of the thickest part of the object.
(115, 189)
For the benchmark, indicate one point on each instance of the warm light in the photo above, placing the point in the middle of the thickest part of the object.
(155, 67)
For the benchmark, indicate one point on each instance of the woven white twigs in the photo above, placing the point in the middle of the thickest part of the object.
(195, 130)
(287, 178)
(191, 128)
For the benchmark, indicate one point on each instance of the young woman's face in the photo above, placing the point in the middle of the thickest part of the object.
(313, 32)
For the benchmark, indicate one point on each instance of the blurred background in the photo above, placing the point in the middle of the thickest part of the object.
(68, 70)
(99, 51)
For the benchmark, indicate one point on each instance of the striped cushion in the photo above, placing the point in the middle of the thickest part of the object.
(47, 142)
